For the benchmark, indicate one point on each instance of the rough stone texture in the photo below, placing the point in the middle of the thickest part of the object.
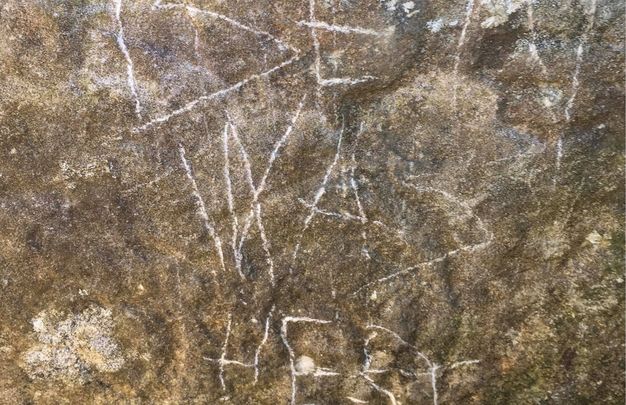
(312, 202)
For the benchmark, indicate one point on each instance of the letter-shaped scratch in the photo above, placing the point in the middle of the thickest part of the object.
(224, 348)
(292, 356)
(274, 155)
(194, 10)
(257, 205)
(223, 361)
(216, 95)
(432, 367)
(313, 24)
(318, 195)
(365, 370)
(471, 248)
(201, 207)
(130, 71)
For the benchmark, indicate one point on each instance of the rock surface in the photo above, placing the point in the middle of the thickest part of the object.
(312, 202)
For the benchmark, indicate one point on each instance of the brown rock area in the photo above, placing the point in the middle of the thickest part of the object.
(312, 202)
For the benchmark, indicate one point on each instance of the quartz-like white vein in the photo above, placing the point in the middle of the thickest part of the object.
(344, 29)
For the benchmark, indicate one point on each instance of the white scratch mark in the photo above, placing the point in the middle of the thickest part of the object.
(559, 153)
(274, 155)
(224, 348)
(532, 44)
(192, 104)
(463, 363)
(318, 195)
(229, 199)
(470, 248)
(283, 336)
(366, 369)
(202, 208)
(432, 367)
(317, 65)
(257, 353)
(346, 216)
(575, 83)
(256, 204)
(591, 13)
(389, 394)
(196, 34)
(130, 71)
(148, 184)
(223, 361)
(404, 342)
(319, 372)
(469, 8)
(356, 400)
(194, 10)
(342, 28)
(355, 190)
(559, 156)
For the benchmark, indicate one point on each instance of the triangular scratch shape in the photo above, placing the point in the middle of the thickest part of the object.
(192, 104)
(471, 248)
(318, 195)
(274, 155)
(195, 10)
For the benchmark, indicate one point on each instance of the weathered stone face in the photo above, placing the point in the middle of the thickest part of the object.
(329, 202)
